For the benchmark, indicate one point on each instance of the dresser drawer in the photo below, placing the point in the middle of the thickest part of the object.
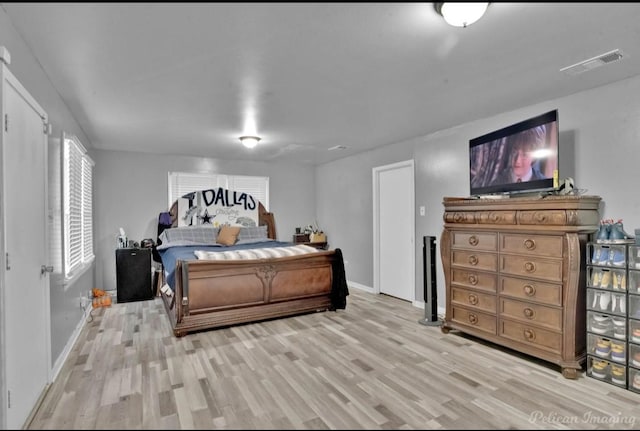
(474, 241)
(532, 335)
(531, 290)
(546, 269)
(534, 245)
(477, 280)
(543, 217)
(471, 259)
(496, 217)
(528, 312)
(471, 299)
(480, 321)
(460, 217)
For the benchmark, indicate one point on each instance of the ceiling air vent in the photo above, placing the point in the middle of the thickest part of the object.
(592, 63)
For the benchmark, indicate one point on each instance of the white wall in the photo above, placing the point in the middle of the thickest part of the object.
(599, 148)
(65, 304)
(131, 191)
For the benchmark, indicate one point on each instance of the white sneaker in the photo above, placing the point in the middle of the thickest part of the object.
(605, 299)
(622, 304)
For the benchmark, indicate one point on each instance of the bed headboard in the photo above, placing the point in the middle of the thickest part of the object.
(221, 206)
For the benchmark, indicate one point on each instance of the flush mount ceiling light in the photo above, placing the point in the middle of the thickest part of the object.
(461, 14)
(249, 141)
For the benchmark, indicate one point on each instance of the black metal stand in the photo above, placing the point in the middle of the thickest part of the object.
(430, 289)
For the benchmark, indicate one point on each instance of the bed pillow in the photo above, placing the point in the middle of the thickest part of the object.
(188, 235)
(252, 234)
(228, 235)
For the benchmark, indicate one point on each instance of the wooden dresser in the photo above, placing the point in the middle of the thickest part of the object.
(515, 273)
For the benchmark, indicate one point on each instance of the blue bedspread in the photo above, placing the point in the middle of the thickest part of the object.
(171, 255)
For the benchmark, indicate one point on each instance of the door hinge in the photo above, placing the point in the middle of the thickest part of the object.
(6, 122)
(46, 128)
(8, 266)
(9, 399)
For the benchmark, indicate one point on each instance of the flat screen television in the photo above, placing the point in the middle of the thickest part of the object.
(522, 157)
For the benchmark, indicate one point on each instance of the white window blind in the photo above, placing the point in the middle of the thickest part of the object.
(181, 183)
(78, 205)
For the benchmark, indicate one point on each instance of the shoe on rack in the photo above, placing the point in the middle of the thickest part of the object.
(616, 280)
(618, 235)
(597, 254)
(596, 300)
(595, 278)
(619, 328)
(636, 359)
(617, 257)
(606, 279)
(636, 381)
(599, 369)
(604, 301)
(618, 352)
(603, 231)
(603, 348)
(605, 256)
(618, 374)
(622, 303)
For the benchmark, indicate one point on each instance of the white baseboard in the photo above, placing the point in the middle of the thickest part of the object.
(57, 366)
(420, 304)
(360, 286)
(417, 304)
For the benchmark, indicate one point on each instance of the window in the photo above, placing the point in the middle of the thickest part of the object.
(77, 199)
(181, 183)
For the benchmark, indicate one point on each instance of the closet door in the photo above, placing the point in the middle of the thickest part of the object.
(25, 309)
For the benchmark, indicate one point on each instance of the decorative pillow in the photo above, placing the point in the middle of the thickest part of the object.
(188, 235)
(252, 234)
(228, 235)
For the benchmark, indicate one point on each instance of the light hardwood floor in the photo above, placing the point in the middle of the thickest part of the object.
(371, 366)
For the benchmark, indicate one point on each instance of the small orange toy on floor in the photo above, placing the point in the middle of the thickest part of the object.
(100, 298)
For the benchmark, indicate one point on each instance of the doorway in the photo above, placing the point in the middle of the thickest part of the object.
(26, 338)
(394, 230)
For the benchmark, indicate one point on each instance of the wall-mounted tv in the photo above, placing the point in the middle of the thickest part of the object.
(522, 157)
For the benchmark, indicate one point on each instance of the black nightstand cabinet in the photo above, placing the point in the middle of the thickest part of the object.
(133, 274)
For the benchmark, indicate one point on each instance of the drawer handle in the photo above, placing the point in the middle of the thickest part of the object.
(529, 267)
(530, 244)
(473, 319)
(529, 334)
(529, 290)
(528, 313)
(473, 279)
(541, 217)
(473, 299)
(473, 240)
(473, 259)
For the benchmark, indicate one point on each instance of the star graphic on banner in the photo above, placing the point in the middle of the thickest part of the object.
(206, 217)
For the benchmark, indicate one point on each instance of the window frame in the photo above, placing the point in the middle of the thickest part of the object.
(77, 169)
(209, 180)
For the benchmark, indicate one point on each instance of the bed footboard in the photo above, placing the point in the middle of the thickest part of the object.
(211, 294)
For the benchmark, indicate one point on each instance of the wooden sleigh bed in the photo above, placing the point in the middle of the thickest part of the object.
(207, 293)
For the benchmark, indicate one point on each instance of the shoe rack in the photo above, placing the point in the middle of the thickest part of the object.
(613, 313)
(634, 318)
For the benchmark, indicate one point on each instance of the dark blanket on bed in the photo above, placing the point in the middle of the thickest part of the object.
(339, 289)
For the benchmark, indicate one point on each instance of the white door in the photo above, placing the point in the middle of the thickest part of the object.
(395, 249)
(26, 287)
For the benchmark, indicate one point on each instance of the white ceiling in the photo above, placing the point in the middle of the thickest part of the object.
(187, 78)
